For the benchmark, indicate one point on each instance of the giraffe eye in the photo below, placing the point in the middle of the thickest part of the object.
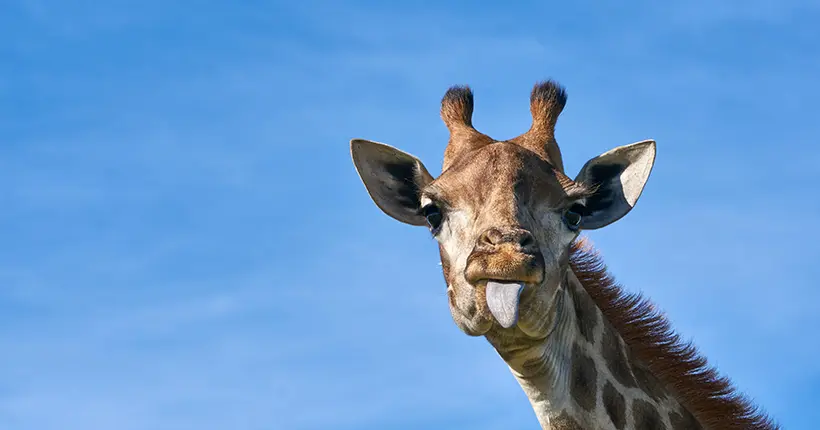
(573, 216)
(434, 217)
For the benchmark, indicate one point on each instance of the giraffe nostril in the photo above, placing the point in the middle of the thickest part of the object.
(526, 240)
(495, 237)
(492, 237)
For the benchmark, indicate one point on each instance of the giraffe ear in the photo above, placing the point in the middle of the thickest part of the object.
(393, 179)
(618, 177)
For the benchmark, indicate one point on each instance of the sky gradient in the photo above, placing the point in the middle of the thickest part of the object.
(186, 244)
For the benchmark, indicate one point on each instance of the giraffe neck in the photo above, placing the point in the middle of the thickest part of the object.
(582, 374)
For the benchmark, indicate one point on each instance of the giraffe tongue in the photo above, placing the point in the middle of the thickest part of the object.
(502, 299)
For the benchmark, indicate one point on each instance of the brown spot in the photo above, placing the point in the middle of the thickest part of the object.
(565, 422)
(583, 385)
(648, 382)
(645, 416)
(613, 353)
(615, 405)
(685, 421)
(586, 314)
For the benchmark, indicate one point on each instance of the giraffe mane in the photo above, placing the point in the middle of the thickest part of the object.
(708, 395)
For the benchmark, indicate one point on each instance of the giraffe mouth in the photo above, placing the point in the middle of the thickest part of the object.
(503, 299)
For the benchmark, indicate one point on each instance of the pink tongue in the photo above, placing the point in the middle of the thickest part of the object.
(502, 299)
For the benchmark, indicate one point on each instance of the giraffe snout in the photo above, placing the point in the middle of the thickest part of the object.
(494, 239)
(505, 254)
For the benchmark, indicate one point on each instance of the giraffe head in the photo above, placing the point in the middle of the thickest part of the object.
(503, 212)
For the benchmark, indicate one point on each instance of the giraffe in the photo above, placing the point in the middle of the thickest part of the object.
(507, 220)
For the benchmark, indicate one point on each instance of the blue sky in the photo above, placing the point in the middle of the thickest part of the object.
(186, 244)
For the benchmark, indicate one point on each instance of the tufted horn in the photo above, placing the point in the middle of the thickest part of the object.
(457, 114)
(547, 100)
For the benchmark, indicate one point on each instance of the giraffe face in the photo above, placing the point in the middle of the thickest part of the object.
(504, 224)
(504, 219)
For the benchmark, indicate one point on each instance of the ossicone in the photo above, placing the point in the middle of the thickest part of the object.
(547, 101)
(457, 114)
(457, 108)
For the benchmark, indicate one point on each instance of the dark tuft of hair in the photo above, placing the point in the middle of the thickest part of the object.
(457, 107)
(547, 100)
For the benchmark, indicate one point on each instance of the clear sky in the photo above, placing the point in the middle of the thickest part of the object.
(186, 244)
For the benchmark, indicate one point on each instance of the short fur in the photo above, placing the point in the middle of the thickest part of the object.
(707, 394)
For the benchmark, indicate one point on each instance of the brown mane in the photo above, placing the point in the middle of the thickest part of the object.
(709, 396)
